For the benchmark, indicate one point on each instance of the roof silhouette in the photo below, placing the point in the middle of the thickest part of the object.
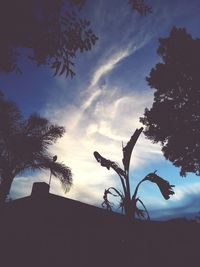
(48, 230)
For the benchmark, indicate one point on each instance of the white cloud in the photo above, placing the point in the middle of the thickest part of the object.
(103, 118)
(108, 65)
(108, 121)
(22, 185)
(186, 192)
(185, 203)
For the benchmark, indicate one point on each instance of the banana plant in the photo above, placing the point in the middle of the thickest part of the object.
(129, 203)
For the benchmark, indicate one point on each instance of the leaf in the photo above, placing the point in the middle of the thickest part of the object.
(106, 203)
(127, 150)
(117, 191)
(109, 164)
(141, 211)
(140, 7)
(63, 69)
(164, 186)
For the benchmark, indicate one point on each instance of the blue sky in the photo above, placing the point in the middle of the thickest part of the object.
(100, 107)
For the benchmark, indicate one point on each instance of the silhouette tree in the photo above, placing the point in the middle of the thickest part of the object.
(51, 30)
(174, 119)
(128, 203)
(24, 146)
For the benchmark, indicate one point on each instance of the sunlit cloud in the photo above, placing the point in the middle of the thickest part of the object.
(108, 65)
(101, 120)
(108, 121)
(89, 100)
(103, 69)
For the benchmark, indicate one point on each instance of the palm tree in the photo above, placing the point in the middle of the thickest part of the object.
(24, 146)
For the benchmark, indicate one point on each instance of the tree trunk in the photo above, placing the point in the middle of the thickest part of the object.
(5, 186)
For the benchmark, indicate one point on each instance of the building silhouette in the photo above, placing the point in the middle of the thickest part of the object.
(48, 230)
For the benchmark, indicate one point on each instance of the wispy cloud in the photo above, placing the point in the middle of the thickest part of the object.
(99, 114)
(102, 126)
(103, 68)
(108, 65)
(103, 118)
(185, 203)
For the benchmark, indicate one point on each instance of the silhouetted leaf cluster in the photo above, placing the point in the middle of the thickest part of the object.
(140, 6)
(24, 145)
(53, 36)
(174, 119)
(49, 32)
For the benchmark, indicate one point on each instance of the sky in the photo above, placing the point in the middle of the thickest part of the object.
(101, 106)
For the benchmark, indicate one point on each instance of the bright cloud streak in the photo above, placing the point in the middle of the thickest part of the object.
(109, 65)
(103, 69)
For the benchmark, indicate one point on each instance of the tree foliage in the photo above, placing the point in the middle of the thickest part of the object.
(140, 6)
(174, 118)
(52, 31)
(24, 146)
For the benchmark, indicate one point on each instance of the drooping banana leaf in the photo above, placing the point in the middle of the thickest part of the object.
(165, 187)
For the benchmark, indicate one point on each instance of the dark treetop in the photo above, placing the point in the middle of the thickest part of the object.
(49, 32)
(174, 119)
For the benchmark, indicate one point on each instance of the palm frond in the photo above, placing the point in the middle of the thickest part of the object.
(63, 173)
(58, 169)
(10, 117)
(37, 126)
(34, 125)
(52, 134)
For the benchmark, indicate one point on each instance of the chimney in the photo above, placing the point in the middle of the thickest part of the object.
(40, 190)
